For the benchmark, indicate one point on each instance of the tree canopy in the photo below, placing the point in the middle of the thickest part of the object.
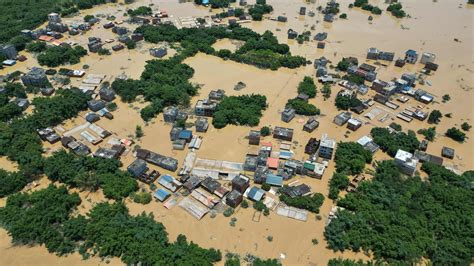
(351, 158)
(391, 142)
(308, 87)
(311, 203)
(402, 219)
(60, 55)
(239, 110)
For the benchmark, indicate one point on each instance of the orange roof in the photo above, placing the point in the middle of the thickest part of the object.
(266, 144)
(56, 42)
(272, 163)
(46, 38)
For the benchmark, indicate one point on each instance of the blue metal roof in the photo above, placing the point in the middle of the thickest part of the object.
(185, 134)
(411, 52)
(161, 194)
(274, 180)
(166, 178)
(256, 193)
(205, 2)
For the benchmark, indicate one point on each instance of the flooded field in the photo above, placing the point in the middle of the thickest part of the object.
(424, 31)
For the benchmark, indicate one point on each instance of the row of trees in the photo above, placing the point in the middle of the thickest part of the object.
(344, 102)
(311, 203)
(239, 110)
(302, 107)
(45, 218)
(402, 219)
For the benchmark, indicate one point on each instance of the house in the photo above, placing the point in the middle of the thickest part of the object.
(321, 71)
(342, 118)
(406, 162)
(108, 25)
(255, 194)
(274, 180)
(9, 51)
(296, 191)
(292, 34)
(410, 79)
(54, 17)
(221, 192)
(169, 182)
(118, 47)
(170, 113)
(254, 137)
(411, 56)
(112, 153)
(431, 66)
(119, 30)
(282, 19)
(124, 39)
(58, 27)
(136, 37)
(202, 124)
(251, 163)
(22, 103)
(302, 10)
(94, 45)
(283, 133)
(240, 183)
(92, 117)
(373, 53)
(158, 52)
(179, 144)
(423, 145)
(368, 144)
(216, 95)
(165, 162)
(233, 198)
(95, 105)
(320, 36)
(260, 174)
(174, 133)
(326, 147)
(210, 184)
(137, 168)
(386, 56)
(303, 97)
(425, 157)
(320, 62)
(310, 125)
(205, 108)
(427, 58)
(107, 94)
(321, 45)
(79, 148)
(354, 124)
(36, 77)
(186, 135)
(192, 182)
(48, 91)
(380, 98)
(329, 17)
(272, 163)
(288, 114)
(161, 194)
(447, 152)
(312, 146)
(400, 62)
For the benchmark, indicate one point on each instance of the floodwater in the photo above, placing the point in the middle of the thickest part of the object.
(424, 32)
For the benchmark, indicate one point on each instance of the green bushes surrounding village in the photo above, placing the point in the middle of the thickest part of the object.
(45, 217)
(402, 219)
(239, 110)
(311, 203)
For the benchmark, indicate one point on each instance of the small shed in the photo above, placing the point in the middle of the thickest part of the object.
(447, 152)
(255, 194)
(274, 180)
(234, 198)
(272, 163)
(254, 137)
(161, 194)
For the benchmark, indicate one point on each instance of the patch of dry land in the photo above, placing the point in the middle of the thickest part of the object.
(432, 27)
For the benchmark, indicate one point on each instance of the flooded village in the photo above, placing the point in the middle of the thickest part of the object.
(223, 187)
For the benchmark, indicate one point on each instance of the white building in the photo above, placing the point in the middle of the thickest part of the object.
(406, 162)
(326, 147)
(427, 58)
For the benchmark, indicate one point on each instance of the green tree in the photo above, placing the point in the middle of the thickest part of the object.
(456, 134)
(434, 117)
(308, 87)
(465, 126)
(326, 91)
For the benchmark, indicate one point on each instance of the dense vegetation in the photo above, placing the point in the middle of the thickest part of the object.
(17, 15)
(391, 142)
(308, 87)
(90, 173)
(44, 217)
(351, 158)
(239, 110)
(403, 219)
(396, 10)
(19, 140)
(257, 11)
(344, 102)
(429, 133)
(311, 203)
(262, 51)
(9, 109)
(59, 55)
(349, 262)
(456, 134)
(140, 11)
(339, 181)
(434, 117)
(302, 107)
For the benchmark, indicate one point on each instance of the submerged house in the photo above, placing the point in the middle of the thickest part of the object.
(283, 133)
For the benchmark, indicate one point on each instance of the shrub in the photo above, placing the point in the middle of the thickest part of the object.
(465, 126)
(266, 187)
(244, 204)
(265, 131)
(455, 134)
(434, 117)
(228, 212)
(141, 197)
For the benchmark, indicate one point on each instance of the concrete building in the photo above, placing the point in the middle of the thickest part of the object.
(406, 162)
(170, 113)
(254, 137)
(427, 58)
(54, 17)
(202, 124)
(9, 51)
(35, 77)
(288, 114)
(326, 147)
(310, 125)
(283, 133)
(158, 52)
(354, 124)
(411, 56)
(205, 108)
(107, 94)
(342, 118)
